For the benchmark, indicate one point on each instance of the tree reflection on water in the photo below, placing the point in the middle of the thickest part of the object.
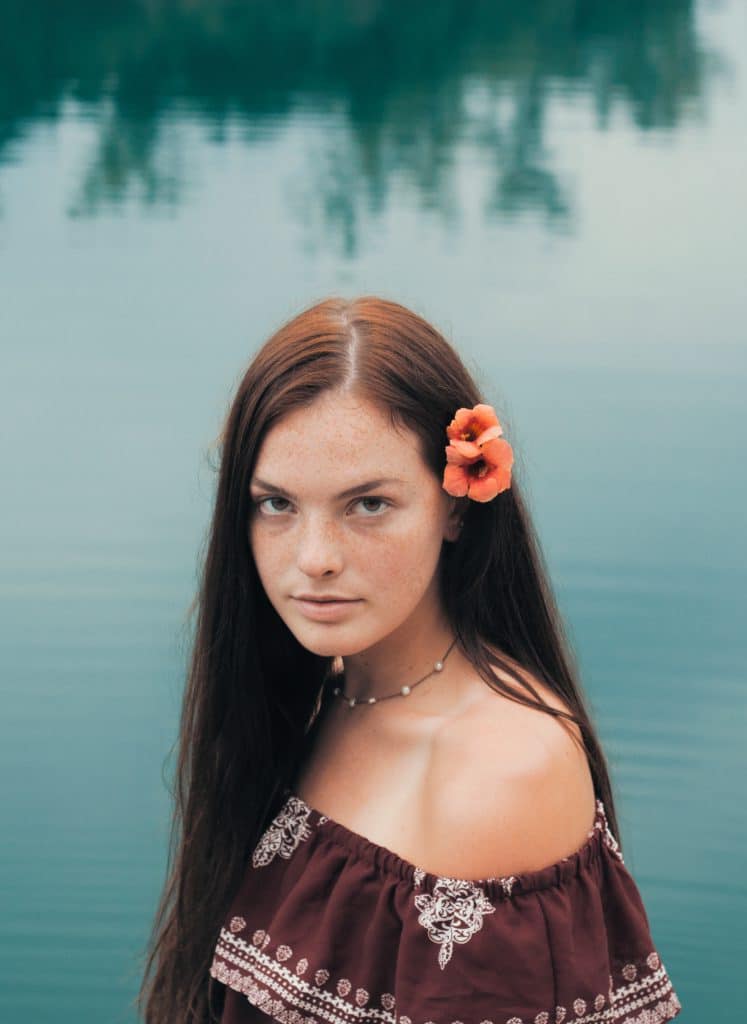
(395, 87)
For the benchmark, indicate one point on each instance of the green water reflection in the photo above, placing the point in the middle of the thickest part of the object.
(405, 86)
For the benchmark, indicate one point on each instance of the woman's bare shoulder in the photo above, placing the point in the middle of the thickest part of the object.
(493, 708)
(519, 786)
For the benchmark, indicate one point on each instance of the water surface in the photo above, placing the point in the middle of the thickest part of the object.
(560, 188)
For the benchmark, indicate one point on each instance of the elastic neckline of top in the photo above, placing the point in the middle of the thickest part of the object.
(597, 838)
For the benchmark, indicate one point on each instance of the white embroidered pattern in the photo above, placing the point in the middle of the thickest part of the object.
(453, 913)
(507, 883)
(608, 839)
(279, 991)
(287, 829)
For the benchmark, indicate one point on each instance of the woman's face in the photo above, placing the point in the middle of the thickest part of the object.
(378, 547)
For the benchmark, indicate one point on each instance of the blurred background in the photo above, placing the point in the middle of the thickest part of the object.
(560, 188)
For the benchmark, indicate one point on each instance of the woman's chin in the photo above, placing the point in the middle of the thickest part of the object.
(331, 643)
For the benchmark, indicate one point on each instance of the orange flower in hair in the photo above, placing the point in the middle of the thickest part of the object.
(478, 459)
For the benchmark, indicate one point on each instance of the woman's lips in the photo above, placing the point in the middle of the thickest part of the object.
(323, 610)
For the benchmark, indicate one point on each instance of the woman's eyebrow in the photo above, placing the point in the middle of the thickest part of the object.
(349, 493)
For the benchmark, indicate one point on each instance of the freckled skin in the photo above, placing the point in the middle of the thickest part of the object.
(385, 555)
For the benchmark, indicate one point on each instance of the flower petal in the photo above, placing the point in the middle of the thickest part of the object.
(502, 476)
(489, 434)
(454, 458)
(486, 415)
(498, 452)
(468, 424)
(460, 423)
(483, 488)
(455, 481)
(463, 452)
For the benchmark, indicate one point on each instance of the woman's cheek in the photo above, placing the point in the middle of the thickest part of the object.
(401, 558)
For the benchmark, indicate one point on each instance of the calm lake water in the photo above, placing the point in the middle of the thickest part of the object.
(560, 187)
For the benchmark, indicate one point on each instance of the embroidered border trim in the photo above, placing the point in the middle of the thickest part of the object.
(283, 994)
(642, 997)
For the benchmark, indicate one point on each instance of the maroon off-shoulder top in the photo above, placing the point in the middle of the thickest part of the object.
(331, 928)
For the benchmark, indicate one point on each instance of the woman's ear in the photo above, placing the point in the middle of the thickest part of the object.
(454, 520)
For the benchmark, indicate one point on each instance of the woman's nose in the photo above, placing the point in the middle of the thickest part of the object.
(319, 548)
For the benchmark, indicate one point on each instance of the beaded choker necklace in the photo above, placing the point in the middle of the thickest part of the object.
(403, 691)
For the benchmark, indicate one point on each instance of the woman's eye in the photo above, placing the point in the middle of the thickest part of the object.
(376, 501)
(263, 501)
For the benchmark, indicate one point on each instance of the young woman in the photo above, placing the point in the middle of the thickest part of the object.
(391, 802)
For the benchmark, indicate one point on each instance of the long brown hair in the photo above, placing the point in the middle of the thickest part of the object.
(252, 690)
